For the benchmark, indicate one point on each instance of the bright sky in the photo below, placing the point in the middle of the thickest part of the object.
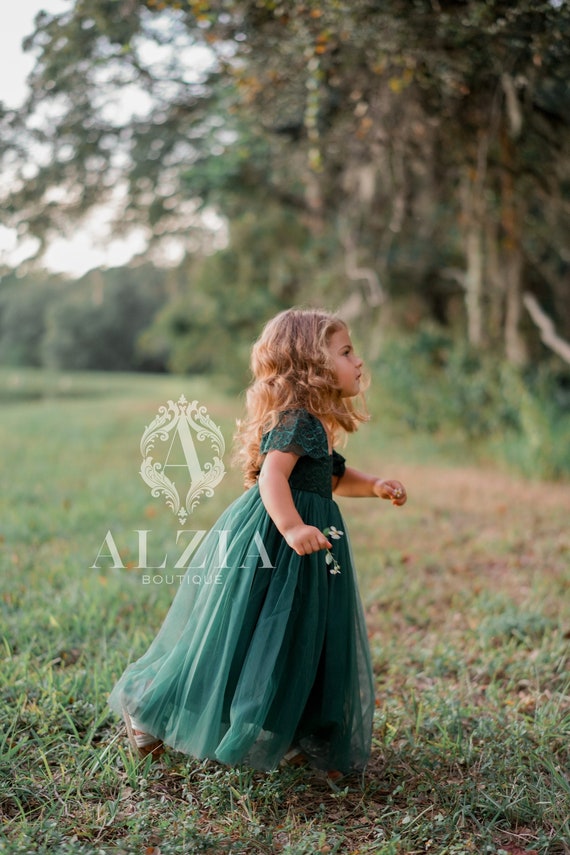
(81, 253)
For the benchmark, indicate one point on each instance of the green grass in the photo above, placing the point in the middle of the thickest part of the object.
(466, 592)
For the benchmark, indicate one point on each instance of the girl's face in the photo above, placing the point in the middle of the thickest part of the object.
(347, 365)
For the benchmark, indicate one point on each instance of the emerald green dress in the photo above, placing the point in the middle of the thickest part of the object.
(263, 649)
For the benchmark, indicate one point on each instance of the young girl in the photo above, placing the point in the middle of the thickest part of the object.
(273, 661)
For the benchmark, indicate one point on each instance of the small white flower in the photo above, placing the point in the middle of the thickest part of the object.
(335, 534)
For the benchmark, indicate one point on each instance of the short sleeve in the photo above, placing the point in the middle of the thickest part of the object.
(338, 464)
(297, 431)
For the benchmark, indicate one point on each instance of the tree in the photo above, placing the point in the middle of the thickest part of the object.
(104, 124)
(415, 117)
(423, 143)
(94, 323)
(209, 327)
(24, 305)
(98, 322)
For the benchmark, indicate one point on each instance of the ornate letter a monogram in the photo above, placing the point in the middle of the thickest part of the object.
(176, 422)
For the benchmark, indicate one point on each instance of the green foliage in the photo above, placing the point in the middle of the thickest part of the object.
(268, 265)
(98, 325)
(90, 70)
(234, 164)
(394, 136)
(23, 308)
(94, 323)
(538, 446)
(436, 385)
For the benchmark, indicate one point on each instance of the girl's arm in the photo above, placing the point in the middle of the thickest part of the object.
(359, 484)
(276, 496)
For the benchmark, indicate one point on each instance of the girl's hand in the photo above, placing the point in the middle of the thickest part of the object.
(392, 490)
(305, 539)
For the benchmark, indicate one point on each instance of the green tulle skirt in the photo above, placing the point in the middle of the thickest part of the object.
(252, 660)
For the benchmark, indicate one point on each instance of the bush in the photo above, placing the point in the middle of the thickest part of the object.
(437, 385)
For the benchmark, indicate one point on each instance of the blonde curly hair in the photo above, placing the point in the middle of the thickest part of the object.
(292, 369)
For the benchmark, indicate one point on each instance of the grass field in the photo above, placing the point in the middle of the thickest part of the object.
(467, 596)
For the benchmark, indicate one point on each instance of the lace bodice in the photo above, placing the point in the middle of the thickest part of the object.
(303, 434)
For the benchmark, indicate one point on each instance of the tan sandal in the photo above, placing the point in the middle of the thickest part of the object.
(294, 757)
(142, 743)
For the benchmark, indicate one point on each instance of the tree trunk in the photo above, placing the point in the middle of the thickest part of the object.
(495, 285)
(473, 216)
(512, 263)
(547, 329)
(474, 284)
(515, 346)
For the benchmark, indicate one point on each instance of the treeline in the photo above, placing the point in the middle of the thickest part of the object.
(92, 324)
(198, 317)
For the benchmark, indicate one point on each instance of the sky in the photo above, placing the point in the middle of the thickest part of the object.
(85, 250)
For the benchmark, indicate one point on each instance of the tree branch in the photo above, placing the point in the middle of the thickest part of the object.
(547, 330)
